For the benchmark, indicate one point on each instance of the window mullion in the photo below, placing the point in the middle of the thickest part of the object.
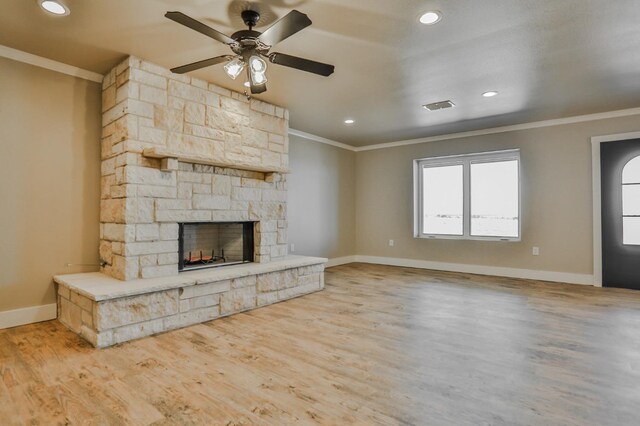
(466, 204)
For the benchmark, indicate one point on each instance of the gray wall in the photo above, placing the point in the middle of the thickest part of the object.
(49, 180)
(321, 199)
(556, 199)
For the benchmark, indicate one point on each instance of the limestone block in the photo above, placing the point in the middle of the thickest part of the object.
(168, 259)
(82, 301)
(271, 159)
(229, 216)
(148, 78)
(220, 185)
(105, 252)
(115, 112)
(187, 92)
(204, 289)
(246, 194)
(155, 191)
(70, 315)
(148, 232)
(127, 90)
(176, 103)
(178, 204)
(136, 331)
(152, 135)
(141, 210)
(159, 271)
(194, 113)
(183, 215)
(263, 258)
(199, 302)
(153, 95)
(275, 147)
(169, 231)
(268, 123)
(267, 226)
(99, 340)
(211, 202)
(185, 190)
(139, 108)
(147, 176)
(148, 260)
(280, 113)
(87, 319)
(249, 281)
(118, 232)
(154, 247)
(224, 120)
(219, 90)
(308, 280)
(297, 291)
(274, 195)
(108, 98)
(130, 310)
(113, 210)
(125, 268)
(312, 269)
(204, 132)
(282, 236)
(109, 79)
(278, 251)
(267, 298)
(235, 106)
(202, 188)
(63, 292)
(191, 317)
(263, 107)
(270, 282)
(237, 300)
(169, 164)
(266, 238)
(282, 224)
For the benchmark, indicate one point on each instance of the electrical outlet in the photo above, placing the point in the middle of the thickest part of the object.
(292, 248)
(536, 251)
(391, 242)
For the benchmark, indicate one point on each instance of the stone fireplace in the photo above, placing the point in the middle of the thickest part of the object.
(179, 154)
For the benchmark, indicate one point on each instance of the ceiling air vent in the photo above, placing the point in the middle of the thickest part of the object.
(439, 105)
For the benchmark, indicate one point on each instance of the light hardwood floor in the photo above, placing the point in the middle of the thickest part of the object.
(381, 345)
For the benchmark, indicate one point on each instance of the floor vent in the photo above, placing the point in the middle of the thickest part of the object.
(439, 105)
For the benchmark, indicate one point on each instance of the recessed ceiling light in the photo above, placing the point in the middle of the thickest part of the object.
(247, 84)
(54, 7)
(349, 121)
(431, 17)
(490, 94)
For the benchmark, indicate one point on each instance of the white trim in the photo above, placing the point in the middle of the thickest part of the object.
(28, 315)
(531, 274)
(320, 139)
(39, 61)
(337, 261)
(503, 129)
(597, 200)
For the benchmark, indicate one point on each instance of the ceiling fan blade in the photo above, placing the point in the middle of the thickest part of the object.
(301, 64)
(290, 24)
(201, 64)
(198, 26)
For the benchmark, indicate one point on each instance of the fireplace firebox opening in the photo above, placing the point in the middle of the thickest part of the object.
(212, 244)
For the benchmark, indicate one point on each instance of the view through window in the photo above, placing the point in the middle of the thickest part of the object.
(474, 196)
(631, 202)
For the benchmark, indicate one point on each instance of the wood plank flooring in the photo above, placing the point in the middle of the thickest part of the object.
(380, 346)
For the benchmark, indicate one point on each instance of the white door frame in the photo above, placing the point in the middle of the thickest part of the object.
(597, 200)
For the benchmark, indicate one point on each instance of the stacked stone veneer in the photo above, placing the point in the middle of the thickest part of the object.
(107, 320)
(146, 107)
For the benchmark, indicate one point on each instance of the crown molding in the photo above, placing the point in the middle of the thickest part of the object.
(320, 139)
(39, 61)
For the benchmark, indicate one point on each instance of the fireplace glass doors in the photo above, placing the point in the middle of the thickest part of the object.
(211, 244)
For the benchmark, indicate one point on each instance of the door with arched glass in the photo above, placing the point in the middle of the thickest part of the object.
(620, 183)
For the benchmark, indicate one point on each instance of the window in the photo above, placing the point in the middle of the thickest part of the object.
(473, 196)
(631, 202)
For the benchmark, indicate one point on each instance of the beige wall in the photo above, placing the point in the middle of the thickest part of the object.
(49, 180)
(556, 199)
(321, 199)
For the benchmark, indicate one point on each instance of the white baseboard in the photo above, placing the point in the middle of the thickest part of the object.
(336, 261)
(531, 274)
(28, 315)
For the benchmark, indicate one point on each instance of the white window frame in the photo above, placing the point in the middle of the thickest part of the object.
(465, 160)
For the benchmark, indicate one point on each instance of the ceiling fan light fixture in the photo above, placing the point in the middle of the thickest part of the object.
(490, 94)
(234, 67)
(257, 70)
(349, 121)
(431, 17)
(54, 7)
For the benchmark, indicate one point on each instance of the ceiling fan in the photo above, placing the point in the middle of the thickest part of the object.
(251, 46)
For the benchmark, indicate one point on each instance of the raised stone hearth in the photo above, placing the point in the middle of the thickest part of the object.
(177, 149)
(106, 311)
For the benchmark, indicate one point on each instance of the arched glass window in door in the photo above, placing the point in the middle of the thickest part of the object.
(631, 202)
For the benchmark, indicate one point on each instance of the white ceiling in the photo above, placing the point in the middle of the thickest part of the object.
(547, 58)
